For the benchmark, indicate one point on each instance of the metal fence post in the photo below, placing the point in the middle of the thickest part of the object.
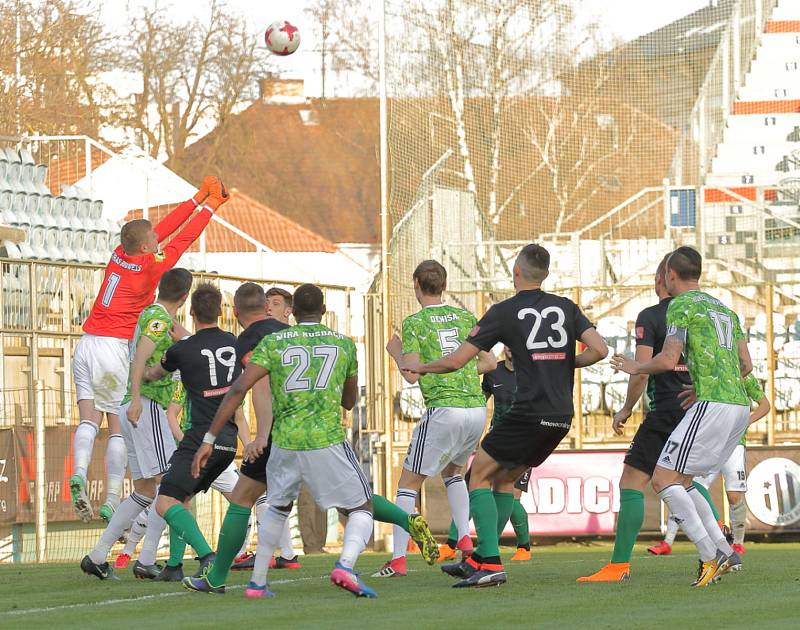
(577, 392)
(770, 364)
(40, 483)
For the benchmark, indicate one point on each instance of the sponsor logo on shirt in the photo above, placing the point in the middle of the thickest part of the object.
(548, 356)
(229, 449)
(210, 393)
(681, 368)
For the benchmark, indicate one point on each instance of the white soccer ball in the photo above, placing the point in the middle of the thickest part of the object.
(282, 38)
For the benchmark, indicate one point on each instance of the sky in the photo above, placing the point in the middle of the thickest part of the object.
(627, 19)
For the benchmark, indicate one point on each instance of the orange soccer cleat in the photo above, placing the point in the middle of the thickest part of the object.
(612, 572)
(521, 555)
(446, 552)
(661, 549)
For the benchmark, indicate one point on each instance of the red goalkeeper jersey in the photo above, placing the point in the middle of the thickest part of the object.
(130, 282)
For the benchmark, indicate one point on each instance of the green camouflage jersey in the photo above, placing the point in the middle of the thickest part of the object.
(179, 398)
(755, 393)
(155, 323)
(434, 332)
(710, 331)
(308, 365)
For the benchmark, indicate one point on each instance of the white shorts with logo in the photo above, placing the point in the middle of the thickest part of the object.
(227, 479)
(100, 371)
(705, 438)
(332, 474)
(733, 471)
(150, 443)
(444, 435)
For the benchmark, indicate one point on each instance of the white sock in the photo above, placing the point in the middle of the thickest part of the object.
(357, 533)
(137, 532)
(246, 542)
(123, 517)
(672, 530)
(685, 513)
(458, 498)
(269, 533)
(155, 529)
(116, 462)
(709, 522)
(285, 543)
(406, 500)
(261, 509)
(82, 445)
(738, 512)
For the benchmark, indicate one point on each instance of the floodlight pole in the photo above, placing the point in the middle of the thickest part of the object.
(385, 306)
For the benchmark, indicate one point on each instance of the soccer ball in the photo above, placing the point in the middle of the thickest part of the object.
(282, 38)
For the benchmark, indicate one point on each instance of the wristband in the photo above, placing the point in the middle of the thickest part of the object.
(208, 438)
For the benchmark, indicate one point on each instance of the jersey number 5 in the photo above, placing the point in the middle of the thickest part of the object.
(448, 340)
(300, 358)
(556, 327)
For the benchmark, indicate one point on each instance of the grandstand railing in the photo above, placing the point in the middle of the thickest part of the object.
(42, 307)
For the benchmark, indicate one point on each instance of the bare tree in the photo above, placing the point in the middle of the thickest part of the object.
(61, 49)
(194, 74)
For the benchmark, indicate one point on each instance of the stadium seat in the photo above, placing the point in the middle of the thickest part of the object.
(65, 240)
(11, 250)
(614, 394)
(4, 185)
(52, 240)
(79, 245)
(789, 359)
(591, 397)
(758, 331)
(102, 251)
(787, 394)
(36, 240)
(614, 330)
(40, 180)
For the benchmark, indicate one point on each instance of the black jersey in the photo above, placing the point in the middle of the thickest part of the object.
(252, 335)
(502, 384)
(662, 389)
(208, 364)
(541, 330)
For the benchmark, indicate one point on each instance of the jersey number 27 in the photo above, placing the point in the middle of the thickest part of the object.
(300, 357)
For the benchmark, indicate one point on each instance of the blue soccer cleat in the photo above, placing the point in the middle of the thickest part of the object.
(349, 580)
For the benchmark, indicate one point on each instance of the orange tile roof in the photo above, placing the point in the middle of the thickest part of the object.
(262, 223)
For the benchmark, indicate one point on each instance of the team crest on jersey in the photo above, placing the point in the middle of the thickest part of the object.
(157, 327)
(159, 256)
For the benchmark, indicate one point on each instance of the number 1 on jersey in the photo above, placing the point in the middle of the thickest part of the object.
(111, 286)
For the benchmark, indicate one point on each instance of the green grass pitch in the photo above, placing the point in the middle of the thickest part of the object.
(539, 594)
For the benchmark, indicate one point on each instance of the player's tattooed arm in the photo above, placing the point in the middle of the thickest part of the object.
(636, 385)
(664, 361)
(596, 349)
(745, 362)
(144, 350)
(450, 363)
(760, 411)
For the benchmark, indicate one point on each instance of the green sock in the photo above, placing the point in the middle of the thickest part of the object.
(231, 538)
(452, 535)
(505, 505)
(484, 514)
(629, 522)
(179, 519)
(519, 521)
(385, 511)
(704, 491)
(177, 549)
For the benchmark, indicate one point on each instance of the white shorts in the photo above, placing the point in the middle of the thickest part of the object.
(444, 435)
(150, 443)
(100, 371)
(705, 438)
(333, 476)
(227, 479)
(733, 471)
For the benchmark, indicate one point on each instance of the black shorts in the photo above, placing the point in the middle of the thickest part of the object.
(257, 470)
(178, 482)
(524, 437)
(522, 482)
(647, 444)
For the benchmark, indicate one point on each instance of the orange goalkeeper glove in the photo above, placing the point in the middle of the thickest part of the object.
(202, 193)
(217, 195)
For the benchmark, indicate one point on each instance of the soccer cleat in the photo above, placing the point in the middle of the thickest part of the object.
(100, 571)
(739, 549)
(80, 500)
(612, 572)
(349, 580)
(421, 534)
(244, 562)
(710, 571)
(146, 571)
(201, 585)
(483, 577)
(106, 512)
(122, 561)
(393, 568)
(446, 552)
(731, 563)
(521, 555)
(205, 564)
(254, 591)
(461, 570)
(282, 563)
(465, 547)
(661, 549)
(170, 574)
